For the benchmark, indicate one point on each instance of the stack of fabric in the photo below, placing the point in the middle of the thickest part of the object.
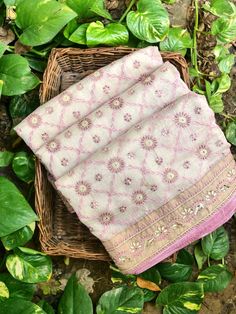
(139, 158)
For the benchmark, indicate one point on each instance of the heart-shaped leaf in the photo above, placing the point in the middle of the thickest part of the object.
(22, 105)
(231, 132)
(23, 165)
(216, 103)
(221, 84)
(99, 9)
(15, 212)
(184, 257)
(82, 8)
(216, 244)
(4, 292)
(150, 22)
(19, 306)
(200, 256)
(181, 298)
(29, 265)
(215, 278)
(113, 34)
(75, 299)
(40, 21)
(6, 158)
(224, 29)
(16, 75)
(174, 272)
(19, 237)
(121, 301)
(18, 289)
(220, 7)
(178, 40)
(78, 35)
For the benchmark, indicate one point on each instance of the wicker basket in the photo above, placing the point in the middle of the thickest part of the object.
(60, 231)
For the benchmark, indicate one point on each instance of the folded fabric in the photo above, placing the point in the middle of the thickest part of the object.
(83, 97)
(151, 93)
(165, 183)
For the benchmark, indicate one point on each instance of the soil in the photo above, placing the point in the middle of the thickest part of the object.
(181, 14)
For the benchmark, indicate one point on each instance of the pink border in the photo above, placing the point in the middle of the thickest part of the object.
(212, 223)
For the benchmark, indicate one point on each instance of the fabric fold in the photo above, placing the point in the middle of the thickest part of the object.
(152, 93)
(155, 188)
(85, 96)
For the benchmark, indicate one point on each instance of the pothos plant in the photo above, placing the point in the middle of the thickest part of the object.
(29, 29)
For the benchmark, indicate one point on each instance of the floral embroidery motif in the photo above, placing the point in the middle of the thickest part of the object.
(159, 93)
(53, 146)
(116, 103)
(106, 218)
(34, 120)
(182, 119)
(131, 91)
(128, 181)
(153, 188)
(219, 143)
(122, 209)
(68, 134)
(85, 124)
(203, 152)
(159, 160)
(82, 188)
(135, 245)
(193, 137)
(170, 175)
(165, 132)
(127, 117)
(79, 86)
(210, 195)
(96, 139)
(64, 162)
(139, 197)
(136, 64)
(99, 114)
(116, 165)
(49, 110)
(45, 136)
(94, 204)
(131, 155)
(65, 98)
(197, 110)
(186, 164)
(147, 79)
(159, 231)
(76, 114)
(98, 177)
(186, 212)
(148, 142)
(105, 149)
(106, 89)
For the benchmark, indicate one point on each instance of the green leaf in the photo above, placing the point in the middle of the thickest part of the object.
(75, 299)
(82, 8)
(16, 75)
(15, 212)
(6, 158)
(22, 105)
(99, 9)
(220, 7)
(113, 34)
(224, 29)
(174, 272)
(200, 256)
(19, 306)
(41, 21)
(29, 266)
(9, 2)
(46, 307)
(216, 244)
(216, 103)
(169, 1)
(225, 65)
(122, 300)
(178, 40)
(3, 48)
(184, 257)
(4, 292)
(152, 274)
(79, 35)
(181, 298)
(23, 165)
(36, 64)
(221, 84)
(150, 22)
(19, 237)
(215, 278)
(231, 132)
(18, 289)
(117, 277)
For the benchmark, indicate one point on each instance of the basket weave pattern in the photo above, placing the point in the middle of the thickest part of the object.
(61, 233)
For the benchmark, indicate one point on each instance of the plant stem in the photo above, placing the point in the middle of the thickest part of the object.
(194, 55)
(223, 261)
(132, 2)
(208, 261)
(41, 54)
